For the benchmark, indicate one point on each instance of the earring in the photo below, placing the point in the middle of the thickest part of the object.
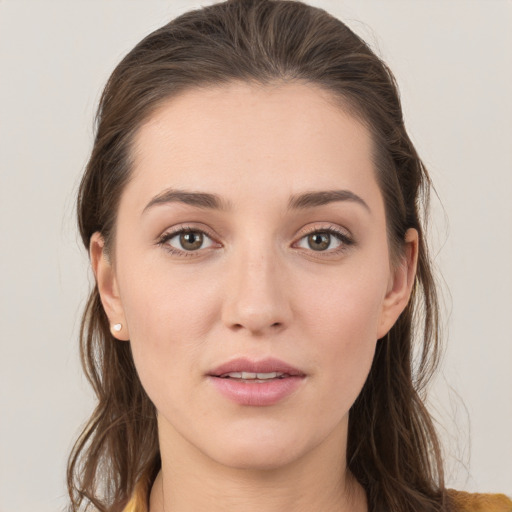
(117, 327)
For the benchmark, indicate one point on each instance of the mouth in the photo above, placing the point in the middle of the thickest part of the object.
(254, 377)
(256, 383)
(243, 369)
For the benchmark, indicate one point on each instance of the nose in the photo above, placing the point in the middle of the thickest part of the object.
(257, 295)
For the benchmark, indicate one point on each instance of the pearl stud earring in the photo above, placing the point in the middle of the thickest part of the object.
(118, 327)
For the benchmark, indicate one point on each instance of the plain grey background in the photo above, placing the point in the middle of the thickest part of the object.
(452, 60)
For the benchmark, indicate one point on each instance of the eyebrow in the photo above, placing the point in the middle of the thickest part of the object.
(198, 199)
(215, 202)
(321, 198)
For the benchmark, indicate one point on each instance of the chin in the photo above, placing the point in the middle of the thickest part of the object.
(259, 451)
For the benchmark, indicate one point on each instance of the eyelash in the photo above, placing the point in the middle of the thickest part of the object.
(164, 239)
(345, 240)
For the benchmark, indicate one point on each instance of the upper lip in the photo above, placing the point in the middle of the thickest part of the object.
(268, 365)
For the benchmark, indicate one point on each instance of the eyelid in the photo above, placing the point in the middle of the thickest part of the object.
(324, 228)
(344, 236)
(170, 233)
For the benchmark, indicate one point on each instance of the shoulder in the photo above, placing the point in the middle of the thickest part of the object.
(460, 501)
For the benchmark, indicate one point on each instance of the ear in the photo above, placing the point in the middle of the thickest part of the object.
(400, 284)
(106, 281)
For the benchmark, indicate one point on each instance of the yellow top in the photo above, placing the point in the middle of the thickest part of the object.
(474, 502)
(461, 501)
(139, 501)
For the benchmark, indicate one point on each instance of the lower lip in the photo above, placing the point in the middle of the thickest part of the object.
(256, 393)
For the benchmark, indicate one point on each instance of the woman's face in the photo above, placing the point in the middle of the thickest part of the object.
(252, 238)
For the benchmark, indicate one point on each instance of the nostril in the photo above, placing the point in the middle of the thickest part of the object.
(274, 326)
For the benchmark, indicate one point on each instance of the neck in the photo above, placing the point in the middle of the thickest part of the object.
(190, 482)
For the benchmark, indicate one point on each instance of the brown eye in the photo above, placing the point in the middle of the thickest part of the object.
(319, 241)
(187, 240)
(191, 240)
(326, 240)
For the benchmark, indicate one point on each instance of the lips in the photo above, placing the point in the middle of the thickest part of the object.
(266, 366)
(256, 383)
(260, 377)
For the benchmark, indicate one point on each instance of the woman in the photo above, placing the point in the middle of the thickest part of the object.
(252, 208)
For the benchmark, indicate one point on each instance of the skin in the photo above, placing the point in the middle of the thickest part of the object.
(255, 288)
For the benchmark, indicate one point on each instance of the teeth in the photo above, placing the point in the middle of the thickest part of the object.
(263, 376)
(253, 376)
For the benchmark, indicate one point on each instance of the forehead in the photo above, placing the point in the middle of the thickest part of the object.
(250, 137)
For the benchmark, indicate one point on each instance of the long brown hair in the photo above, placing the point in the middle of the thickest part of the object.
(393, 450)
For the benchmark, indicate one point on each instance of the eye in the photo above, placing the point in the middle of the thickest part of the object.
(319, 241)
(187, 240)
(325, 240)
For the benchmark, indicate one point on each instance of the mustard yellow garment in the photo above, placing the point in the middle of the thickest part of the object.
(473, 502)
(459, 501)
(139, 501)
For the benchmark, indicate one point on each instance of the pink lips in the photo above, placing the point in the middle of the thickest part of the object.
(256, 393)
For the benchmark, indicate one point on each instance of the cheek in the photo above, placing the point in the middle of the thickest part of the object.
(348, 304)
(343, 321)
(169, 315)
(165, 303)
